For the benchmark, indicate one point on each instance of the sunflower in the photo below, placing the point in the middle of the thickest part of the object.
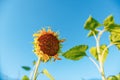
(47, 44)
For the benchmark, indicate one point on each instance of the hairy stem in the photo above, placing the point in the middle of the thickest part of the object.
(93, 61)
(36, 69)
(31, 74)
(106, 49)
(111, 44)
(99, 55)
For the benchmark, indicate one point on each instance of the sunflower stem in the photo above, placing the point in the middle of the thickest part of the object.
(36, 69)
(93, 61)
(101, 68)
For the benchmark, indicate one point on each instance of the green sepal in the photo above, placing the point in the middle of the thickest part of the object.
(76, 53)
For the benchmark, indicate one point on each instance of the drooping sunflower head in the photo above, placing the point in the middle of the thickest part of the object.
(46, 44)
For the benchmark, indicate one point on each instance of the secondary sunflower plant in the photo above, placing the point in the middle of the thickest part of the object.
(47, 45)
(100, 51)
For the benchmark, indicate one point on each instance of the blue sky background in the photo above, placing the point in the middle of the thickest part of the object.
(19, 19)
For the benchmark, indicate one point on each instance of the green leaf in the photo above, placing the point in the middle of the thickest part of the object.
(91, 24)
(108, 21)
(115, 35)
(91, 33)
(76, 53)
(25, 77)
(45, 72)
(118, 76)
(115, 38)
(94, 53)
(26, 68)
(112, 78)
(105, 54)
(34, 62)
(113, 28)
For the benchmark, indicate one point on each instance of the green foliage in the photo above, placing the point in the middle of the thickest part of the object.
(25, 77)
(113, 28)
(108, 21)
(114, 77)
(118, 76)
(45, 72)
(93, 51)
(34, 62)
(26, 68)
(76, 53)
(91, 24)
(91, 33)
(115, 39)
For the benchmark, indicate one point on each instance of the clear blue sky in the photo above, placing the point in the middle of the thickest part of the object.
(19, 19)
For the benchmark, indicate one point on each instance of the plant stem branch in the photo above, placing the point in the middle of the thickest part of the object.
(36, 69)
(31, 74)
(111, 44)
(106, 49)
(93, 61)
(98, 52)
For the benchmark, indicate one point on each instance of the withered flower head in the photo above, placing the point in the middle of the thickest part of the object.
(46, 44)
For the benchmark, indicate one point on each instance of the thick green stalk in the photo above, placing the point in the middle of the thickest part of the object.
(36, 69)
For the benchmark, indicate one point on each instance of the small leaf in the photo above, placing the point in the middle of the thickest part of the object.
(108, 21)
(115, 38)
(26, 68)
(25, 77)
(112, 78)
(91, 24)
(93, 51)
(91, 33)
(34, 62)
(45, 72)
(105, 54)
(76, 53)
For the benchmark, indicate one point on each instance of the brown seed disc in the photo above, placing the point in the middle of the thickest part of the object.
(49, 44)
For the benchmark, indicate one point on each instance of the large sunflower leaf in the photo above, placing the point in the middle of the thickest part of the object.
(94, 53)
(91, 24)
(76, 53)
